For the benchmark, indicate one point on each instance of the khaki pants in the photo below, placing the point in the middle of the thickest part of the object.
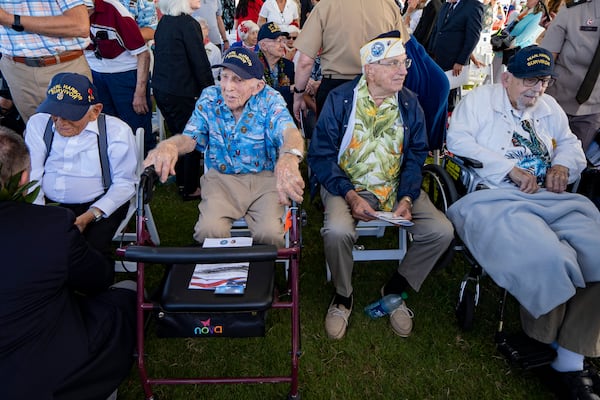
(29, 84)
(227, 198)
(575, 325)
(432, 234)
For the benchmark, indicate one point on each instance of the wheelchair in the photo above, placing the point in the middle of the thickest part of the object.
(179, 311)
(445, 183)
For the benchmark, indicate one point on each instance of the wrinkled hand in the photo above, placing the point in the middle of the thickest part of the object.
(299, 105)
(140, 105)
(403, 210)
(557, 178)
(526, 181)
(163, 157)
(312, 86)
(290, 184)
(457, 69)
(361, 210)
(83, 220)
(478, 64)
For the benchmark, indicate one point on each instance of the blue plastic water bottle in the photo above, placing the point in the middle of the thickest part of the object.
(383, 306)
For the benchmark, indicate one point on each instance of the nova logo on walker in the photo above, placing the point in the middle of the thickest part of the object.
(208, 329)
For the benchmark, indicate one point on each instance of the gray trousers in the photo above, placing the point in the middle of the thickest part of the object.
(585, 127)
(432, 234)
(575, 325)
(227, 198)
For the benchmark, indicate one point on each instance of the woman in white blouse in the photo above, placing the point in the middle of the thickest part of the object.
(281, 12)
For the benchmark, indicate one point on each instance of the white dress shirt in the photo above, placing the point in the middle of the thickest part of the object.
(72, 172)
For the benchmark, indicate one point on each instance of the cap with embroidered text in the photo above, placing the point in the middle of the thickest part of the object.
(530, 62)
(69, 96)
(244, 62)
(270, 30)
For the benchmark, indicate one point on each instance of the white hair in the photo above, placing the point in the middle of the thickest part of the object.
(203, 22)
(174, 7)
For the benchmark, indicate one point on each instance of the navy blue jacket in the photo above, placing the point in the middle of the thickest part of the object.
(454, 38)
(328, 134)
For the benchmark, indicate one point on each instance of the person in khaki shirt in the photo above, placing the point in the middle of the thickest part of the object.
(573, 37)
(339, 28)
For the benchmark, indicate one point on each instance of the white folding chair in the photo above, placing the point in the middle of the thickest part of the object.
(240, 228)
(376, 228)
(121, 234)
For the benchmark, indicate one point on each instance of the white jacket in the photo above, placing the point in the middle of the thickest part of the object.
(482, 126)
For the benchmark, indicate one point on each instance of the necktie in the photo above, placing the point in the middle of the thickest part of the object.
(449, 12)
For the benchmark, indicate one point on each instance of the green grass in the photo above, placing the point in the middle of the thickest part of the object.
(438, 361)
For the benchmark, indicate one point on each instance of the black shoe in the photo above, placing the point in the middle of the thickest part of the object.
(594, 376)
(187, 197)
(579, 385)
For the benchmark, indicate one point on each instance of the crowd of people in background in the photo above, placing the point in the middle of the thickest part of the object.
(127, 58)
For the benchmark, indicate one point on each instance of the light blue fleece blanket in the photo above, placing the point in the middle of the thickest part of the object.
(540, 247)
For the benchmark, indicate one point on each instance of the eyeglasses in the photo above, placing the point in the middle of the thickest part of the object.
(293, 37)
(531, 82)
(395, 63)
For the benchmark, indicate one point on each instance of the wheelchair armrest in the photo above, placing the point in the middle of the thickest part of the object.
(188, 255)
(469, 162)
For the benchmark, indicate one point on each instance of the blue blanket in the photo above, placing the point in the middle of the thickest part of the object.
(540, 247)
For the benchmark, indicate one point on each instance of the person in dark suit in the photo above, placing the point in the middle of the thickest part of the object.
(425, 26)
(65, 334)
(455, 35)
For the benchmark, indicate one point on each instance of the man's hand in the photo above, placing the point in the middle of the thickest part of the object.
(140, 105)
(299, 105)
(457, 69)
(526, 181)
(557, 178)
(361, 210)
(163, 157)
(83, 220)
(403, 209)
(290, 184)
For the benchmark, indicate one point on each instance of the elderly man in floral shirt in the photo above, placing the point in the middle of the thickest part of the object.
(367, 152)
(252, 152)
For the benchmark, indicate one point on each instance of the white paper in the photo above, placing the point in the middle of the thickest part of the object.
(241, 241)
(389, 217)
(461, 79)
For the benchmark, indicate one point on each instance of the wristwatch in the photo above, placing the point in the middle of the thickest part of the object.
(296, 90)
(16, 26)
(295, 152)
(97, 214)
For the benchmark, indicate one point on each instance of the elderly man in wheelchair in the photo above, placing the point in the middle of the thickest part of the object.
(530, 234)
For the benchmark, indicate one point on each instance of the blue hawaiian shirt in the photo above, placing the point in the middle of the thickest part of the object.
(249, 145)
(143, 11)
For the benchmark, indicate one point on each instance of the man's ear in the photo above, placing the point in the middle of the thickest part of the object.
(260, 84)
(95, 111)
(24, 177)
(505, 78)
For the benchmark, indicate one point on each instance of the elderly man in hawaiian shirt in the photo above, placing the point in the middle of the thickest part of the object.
(252, 152)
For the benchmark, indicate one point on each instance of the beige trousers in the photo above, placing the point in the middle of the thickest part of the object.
(432, 234)
(227, 198)
(575, 325)
(28, 85)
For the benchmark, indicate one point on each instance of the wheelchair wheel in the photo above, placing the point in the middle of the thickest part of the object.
(465, 310)
(439, 186)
